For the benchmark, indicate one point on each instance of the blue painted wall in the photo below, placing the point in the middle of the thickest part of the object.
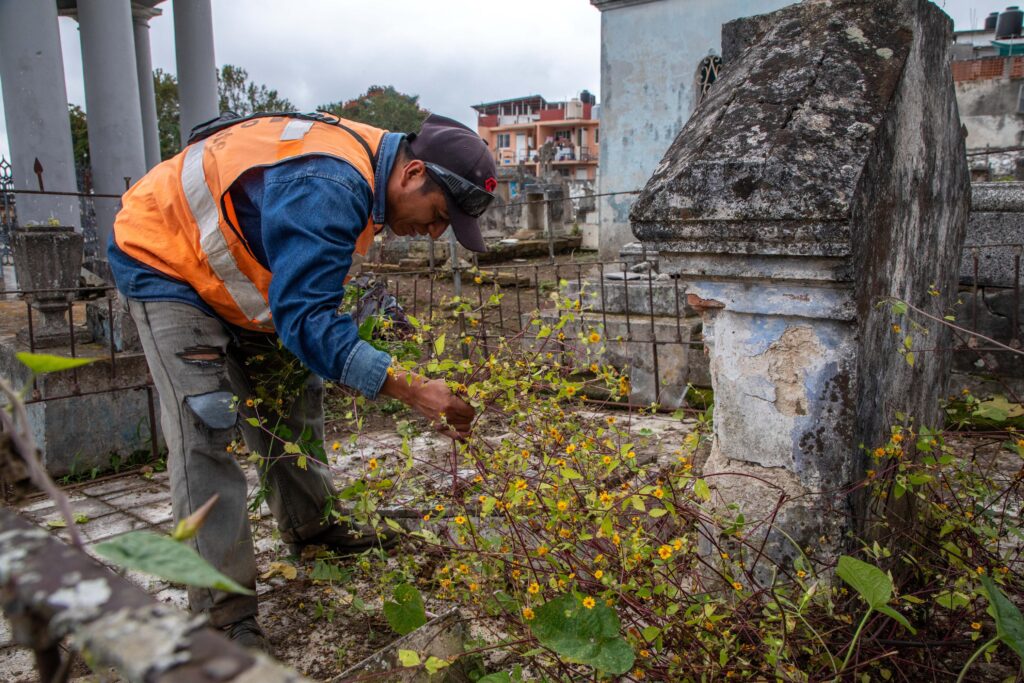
(650, 54)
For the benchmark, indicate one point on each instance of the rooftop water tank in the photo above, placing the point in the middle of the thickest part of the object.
(1009, 23)
(990, 22)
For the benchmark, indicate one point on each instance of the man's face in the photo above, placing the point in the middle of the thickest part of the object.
(411, 210)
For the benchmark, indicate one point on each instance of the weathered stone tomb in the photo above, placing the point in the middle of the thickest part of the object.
(824, 173)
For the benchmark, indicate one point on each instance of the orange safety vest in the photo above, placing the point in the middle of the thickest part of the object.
(179, 218)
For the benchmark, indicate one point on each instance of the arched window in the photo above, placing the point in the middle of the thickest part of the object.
(707, 74)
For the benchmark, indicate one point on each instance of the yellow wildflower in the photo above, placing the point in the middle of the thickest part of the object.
(439, 507)
(976, 626)
(527, 613)
(658, 493)
(665, 552)
(542, 550)
(460, 519)
(737, 585)
(533, 588)
(594, 337)
(372, 464)
(570, 449)
(588, 602)
(335, 446)
(598, 574)
(562, 505)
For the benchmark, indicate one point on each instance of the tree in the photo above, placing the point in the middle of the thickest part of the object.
(168, 113)
(239, 95)
(383, 107)
(79, 136)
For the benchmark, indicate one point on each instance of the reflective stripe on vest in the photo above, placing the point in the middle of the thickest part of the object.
(221, 260)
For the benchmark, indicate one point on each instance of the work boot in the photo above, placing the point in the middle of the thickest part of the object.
(347, 539)
(248, 634)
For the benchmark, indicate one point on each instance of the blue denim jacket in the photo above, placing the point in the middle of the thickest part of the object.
(301, 219)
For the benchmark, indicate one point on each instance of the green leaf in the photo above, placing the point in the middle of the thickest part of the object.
(702, 490)
(165, 558)
(325, 571)
(301, 462)
(899, 307)
(409, 657)
(406, 613)
(439, 345)
(499, 677)
(893, 614)
(367, 327)
(292, 448)
(45, 362)
(435, 664)
(910, 358)
(869, 581)
(586, 636)
(1009, 622)
(952, 600)
(658, 512)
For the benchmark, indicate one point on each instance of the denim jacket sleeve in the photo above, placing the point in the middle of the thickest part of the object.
(310, 222)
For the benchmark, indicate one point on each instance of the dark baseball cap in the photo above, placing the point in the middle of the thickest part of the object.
(459, 161)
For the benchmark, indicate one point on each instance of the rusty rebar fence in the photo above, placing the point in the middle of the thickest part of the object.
(109, 371)
(639, 313)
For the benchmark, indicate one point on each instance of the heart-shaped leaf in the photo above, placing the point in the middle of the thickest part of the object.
(587, 636)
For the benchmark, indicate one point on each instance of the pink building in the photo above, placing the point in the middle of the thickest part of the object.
(516, 129)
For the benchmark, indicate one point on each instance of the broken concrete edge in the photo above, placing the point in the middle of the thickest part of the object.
(441, 637)
(50, 590)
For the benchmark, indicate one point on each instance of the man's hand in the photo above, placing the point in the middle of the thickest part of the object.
(434, 400)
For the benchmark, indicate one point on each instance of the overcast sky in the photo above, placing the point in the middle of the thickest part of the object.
(453, 54)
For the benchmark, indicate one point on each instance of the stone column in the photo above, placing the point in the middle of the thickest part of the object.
(147, 96)
(197, 66)
(112, 104)
(36, 110)
(825, 173)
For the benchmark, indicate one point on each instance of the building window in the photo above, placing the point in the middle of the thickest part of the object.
(707, 74)
(597, 135)
(504, 141)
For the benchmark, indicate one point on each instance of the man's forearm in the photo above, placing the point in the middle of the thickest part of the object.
(402, 385)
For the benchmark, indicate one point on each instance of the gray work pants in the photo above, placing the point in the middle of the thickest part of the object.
(198, 366)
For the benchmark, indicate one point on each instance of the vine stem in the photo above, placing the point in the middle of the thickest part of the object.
(853, 643)
(977, 653)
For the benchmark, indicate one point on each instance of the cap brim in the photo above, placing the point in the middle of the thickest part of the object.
(465, 227)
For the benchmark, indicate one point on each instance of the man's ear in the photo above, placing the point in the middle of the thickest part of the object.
(413, 172)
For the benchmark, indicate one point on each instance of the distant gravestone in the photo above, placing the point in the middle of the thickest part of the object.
(824, 172)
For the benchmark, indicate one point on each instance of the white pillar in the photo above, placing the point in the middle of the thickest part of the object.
(147, 96)
(197, 66)
(112, 103)
(36, 110)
